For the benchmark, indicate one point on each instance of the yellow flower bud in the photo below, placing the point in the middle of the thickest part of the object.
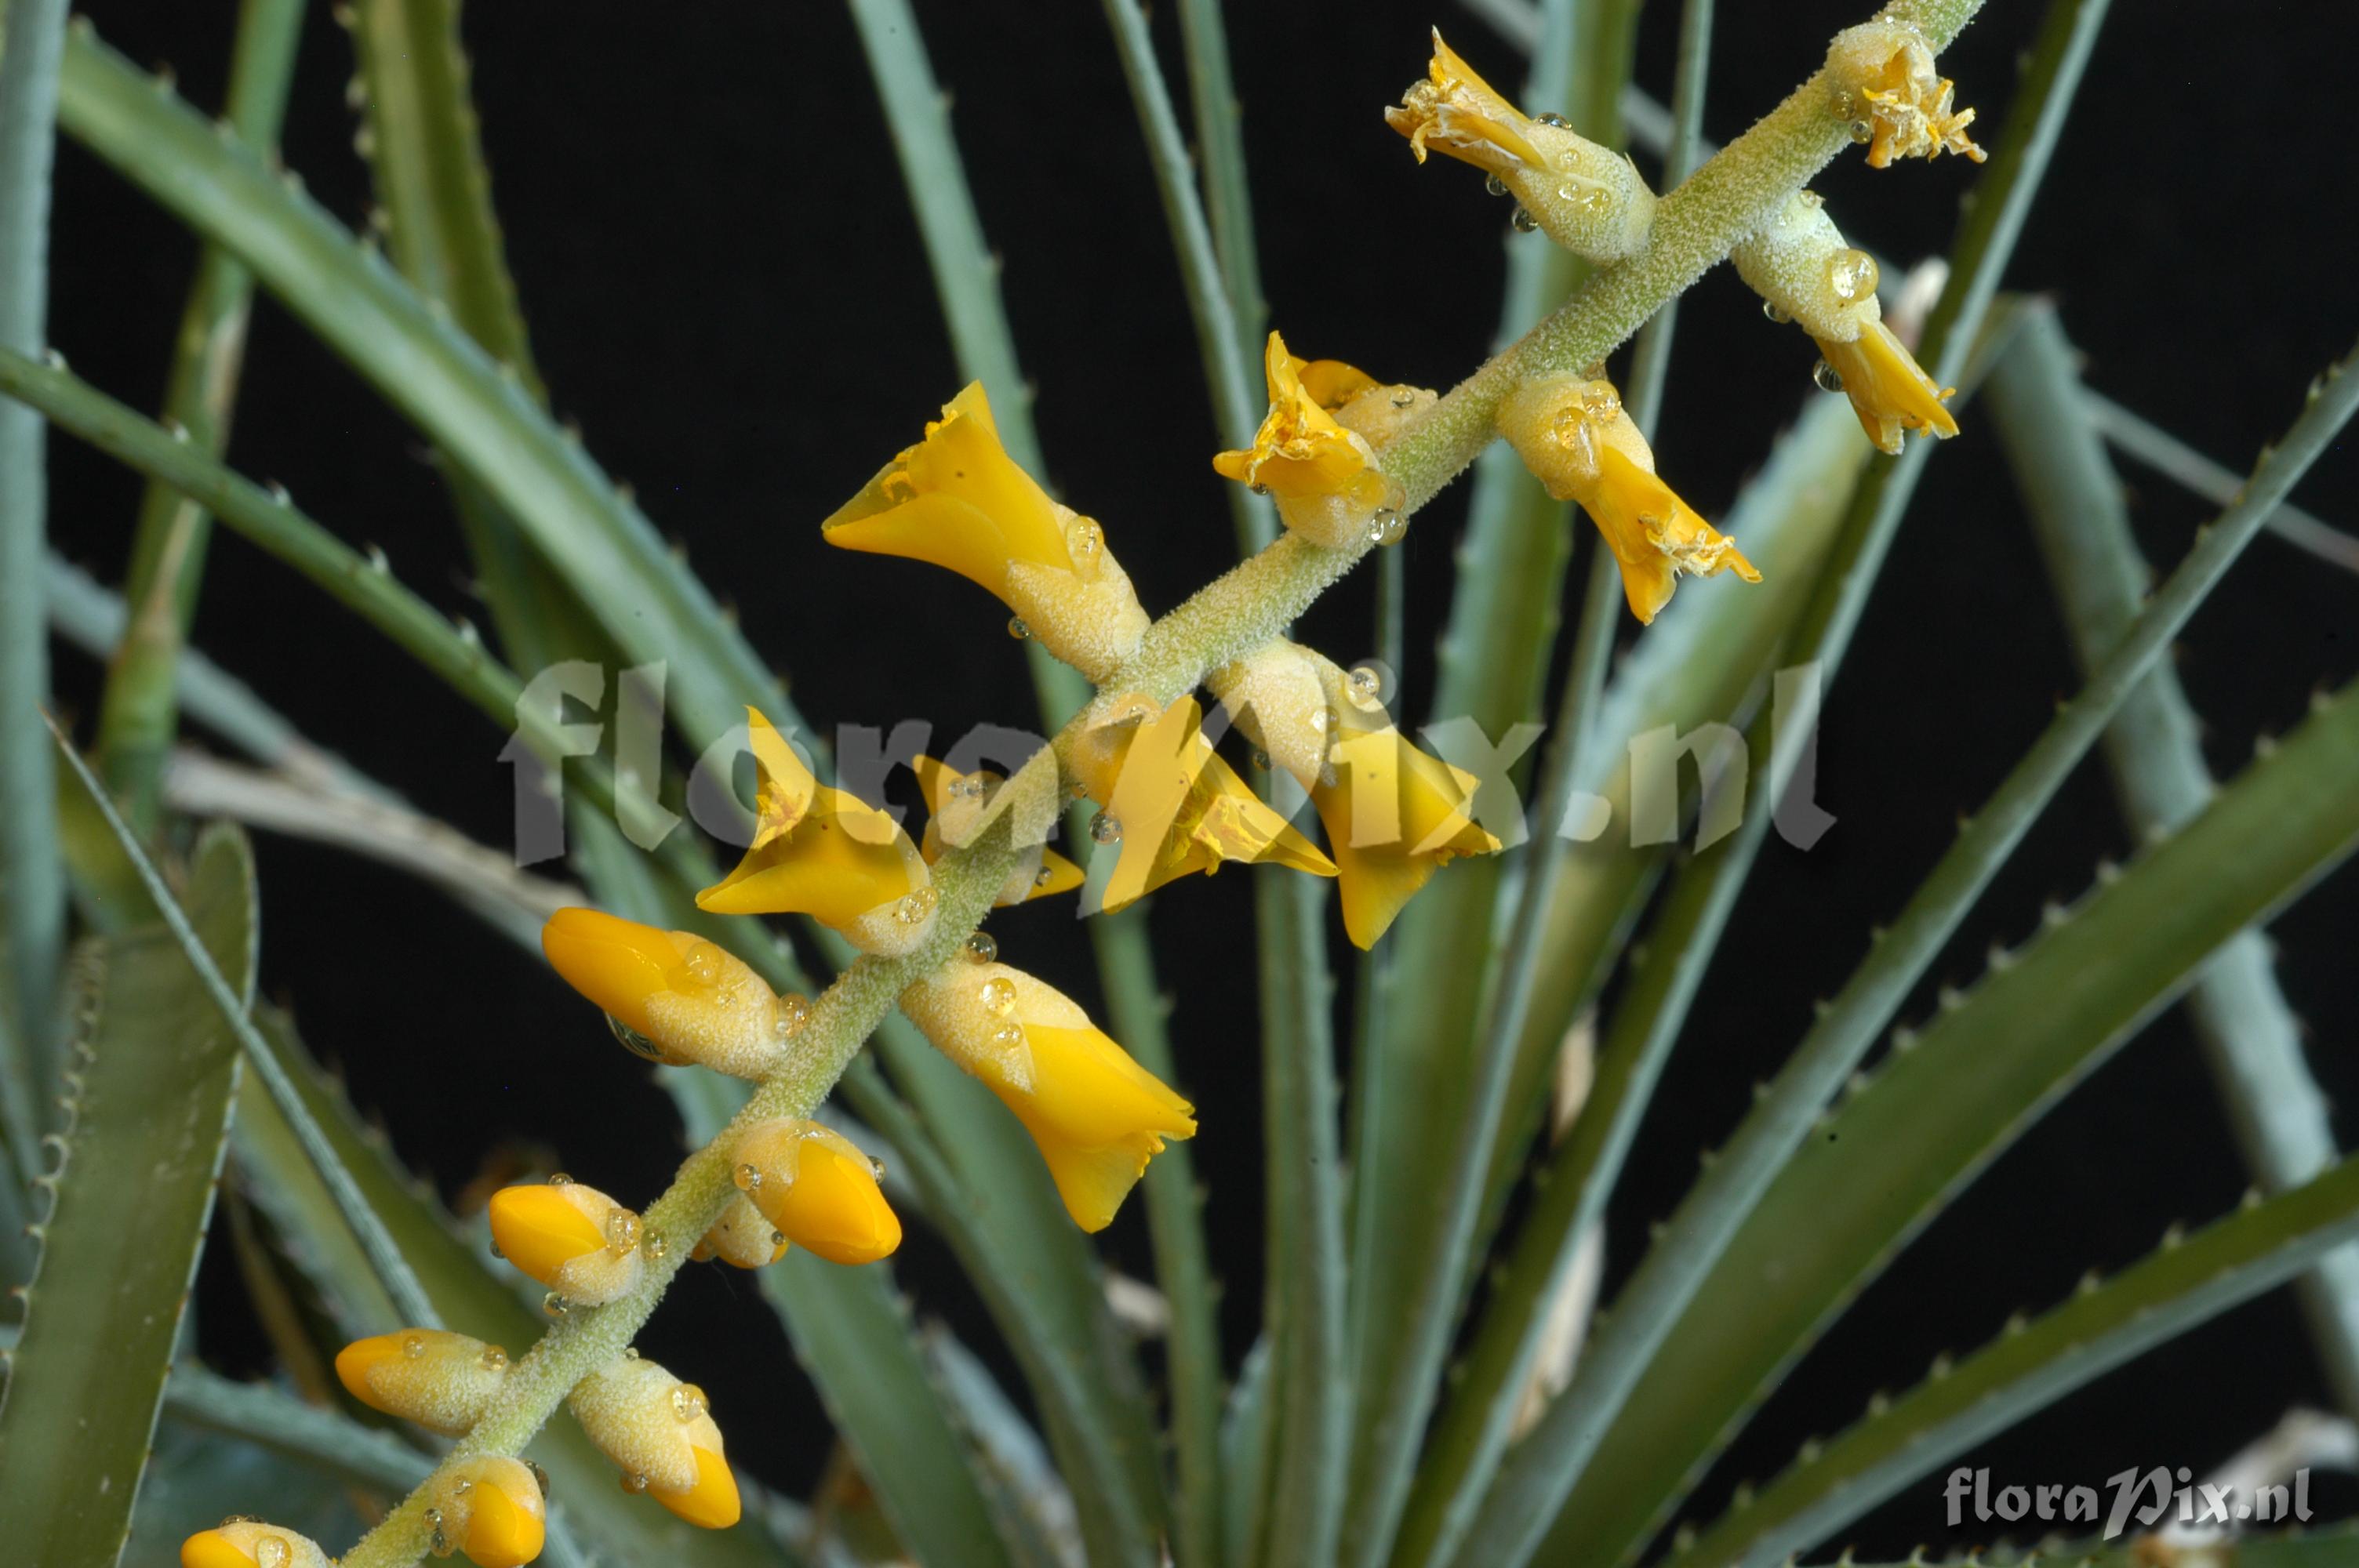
(1895, 101)
(244, 1542)
(822, 852)
(1574, 437)
(957, 498)
(1174, 806)
(439, 1380)
(1394, 814)
(491, 1509)
(573, 1238)
(1590, 199)
(659, 1432)
(815, 1186)
(681, 999)
(1325, 478)
(955, 801)
(743, 1237)
(1097, 1116)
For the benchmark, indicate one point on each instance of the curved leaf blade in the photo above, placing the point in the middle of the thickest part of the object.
(158, 1065)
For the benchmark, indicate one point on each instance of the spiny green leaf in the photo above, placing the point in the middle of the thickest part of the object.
(2032, 1365)
(1946, 1103)
(155, 1066)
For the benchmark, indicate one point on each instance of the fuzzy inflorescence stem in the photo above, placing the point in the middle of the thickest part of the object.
(1695, 226)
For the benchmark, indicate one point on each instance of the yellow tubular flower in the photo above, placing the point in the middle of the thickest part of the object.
(954, 801)
(439, 1380)
(573, 1238)
(743, 1237)
(1097, 1116)
(1590, 199)
(1574, 435)
(833, 857)
(1888, 390)
(1324, 476)
(659, 1432)
(491, 1509)
(674, 997)
(1894, 99)
(1174, 806)
(1394, 814)
(1799, 263)
(957, 498)
(819, 1191)
(244, 1542)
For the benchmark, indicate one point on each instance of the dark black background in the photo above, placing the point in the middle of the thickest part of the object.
(725, 288)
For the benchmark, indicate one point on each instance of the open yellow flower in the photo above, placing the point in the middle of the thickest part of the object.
(1590, 199)
(957, 498)
(955, 802)
(439, 1380)
(1323, 475)
(1174, 806)
(492, 1510)
(1574, 435)
(244, 1542)
(1888, 390)
(815, 1186)
(572, 1237)
(660, 1432)
(674, 997)
(1394, 813)
(1097, 1116)
(1895, 100)
(820, 851)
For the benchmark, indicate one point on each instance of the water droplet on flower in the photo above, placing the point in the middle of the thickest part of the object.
(560, 1179)
(1846, 105)
(1017, 628)
(1862, 131)
(794, 1012)
(630, 1352)
(1104, 829)
(495, 1250)
(1387, 526)
(622, 1230)
(1009, 1037)
(461, 1487)
(1261, 759)
(1494, 185)
(54, 360)
(272, 1551)
(1601, 402)
(554, 1304)
(635, 1483)
(539, 1476)
(687, 1403)
(1082, 536)
(749, 1178)
(1403, 397)
(1769, 308)
(654, 1245)
(1365, 686)
(1813, 201)
(413, 1345)
(1851, 275)
(636, 1043)
(278, 496)
(1040, 880)
(177, 430)
(1524, 222)
(983, 946)
(1559, 120)
(917, 907)
(1828, 378)
(997, 995)
(494, 1359)
(704, 965)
